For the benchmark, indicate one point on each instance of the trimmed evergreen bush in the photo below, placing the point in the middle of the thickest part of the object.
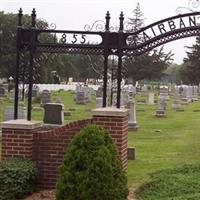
(91, 169)
(17, 178)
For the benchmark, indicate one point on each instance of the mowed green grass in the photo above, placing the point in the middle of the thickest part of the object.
(180, 183)
(161, 143)
(67, 98)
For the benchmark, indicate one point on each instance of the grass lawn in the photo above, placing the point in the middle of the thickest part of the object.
(161, 143)
(181, 183)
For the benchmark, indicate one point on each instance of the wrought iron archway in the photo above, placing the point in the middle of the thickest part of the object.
(113, 42)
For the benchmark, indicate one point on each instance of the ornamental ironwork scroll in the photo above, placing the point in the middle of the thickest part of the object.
(100, 39)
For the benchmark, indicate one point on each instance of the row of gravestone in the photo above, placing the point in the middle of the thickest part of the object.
(83, 94)
(53, 113)
(3, 91)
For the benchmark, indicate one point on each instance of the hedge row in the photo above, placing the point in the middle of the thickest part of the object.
(17, 178)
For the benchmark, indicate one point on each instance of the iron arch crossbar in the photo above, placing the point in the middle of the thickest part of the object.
(161, 40)
(162, 32)
(119, 42)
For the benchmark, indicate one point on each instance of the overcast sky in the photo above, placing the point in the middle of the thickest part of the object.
(74, 14)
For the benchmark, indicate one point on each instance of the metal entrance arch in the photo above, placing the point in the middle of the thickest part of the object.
(113, 42)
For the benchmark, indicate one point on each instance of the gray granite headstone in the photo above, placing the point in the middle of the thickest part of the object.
(151, 98)
(53, 113)
(2, 91)
(161, 107)
(99, 92)
(9, 113)
(46, 97)
(131, 153)
(132, 123)
(35, 91)
(124, 99)
(81, 98)
(195, 93)
(99, 102)
(87, 93)
(176, 105)
(164, 92)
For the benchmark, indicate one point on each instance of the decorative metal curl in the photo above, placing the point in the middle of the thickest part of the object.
(44, 25)
(128, 27)
(98, 25)
(192, 6)
(114, 29)
(52, 26)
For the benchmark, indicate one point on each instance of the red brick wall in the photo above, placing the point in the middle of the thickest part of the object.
(17, 143)
(47, 147)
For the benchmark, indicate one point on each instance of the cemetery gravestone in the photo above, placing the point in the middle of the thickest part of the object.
(131, 153)
(46, 97)
(195, 93)
(151, 98)
(132, 123)
(176, 104)
(125, 99)
(35, 91)
(78, 87)
(54, 113)
(80, 97)
(87, 93)
(164, 92)
(9, 113)
(99, 102)
(144, 88)
(185, 99)
(161, 107)
(2, 91)
(99, 92)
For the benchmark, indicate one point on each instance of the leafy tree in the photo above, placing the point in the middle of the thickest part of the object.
(8, 43)
(150, 65)
(173, 73)
(190, 70)
(8, 29)
(135, 24)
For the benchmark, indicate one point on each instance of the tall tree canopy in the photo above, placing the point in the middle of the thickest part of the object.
(78, 66)
(150, 65)
(190, 70)
(8, 29)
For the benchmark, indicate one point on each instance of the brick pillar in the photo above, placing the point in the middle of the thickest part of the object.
(116, 122)
(18, 138)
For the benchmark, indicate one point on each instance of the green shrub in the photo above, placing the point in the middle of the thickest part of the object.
(91, 169)
(17, 178)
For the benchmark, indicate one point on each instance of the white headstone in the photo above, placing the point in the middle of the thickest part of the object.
(151, 98)
(132, 123)
(161, 107)
(99, 102)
